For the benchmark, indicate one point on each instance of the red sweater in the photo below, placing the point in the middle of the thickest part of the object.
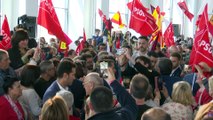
(7, 112)
(73, 118)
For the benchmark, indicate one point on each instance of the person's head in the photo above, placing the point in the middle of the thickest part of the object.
(127, 35)
(47, 68)
(182, 93)
(68, 98)
(211, 86)
(205, 112)
(12, 87)
(176, 59)
(173, 49)
(164, 66)
(80, 71)
(101, 99)
(153, 58)
(145, 61)
(20, 39)
(139, 86)
(66, 72)
(102, 47)
(4, 59)
(54, 109)
(143, 44)
(29, 75)
(156, 114)
(71, 53)
(97, 31)
(88, 58)
(101, 54)
(91, 81)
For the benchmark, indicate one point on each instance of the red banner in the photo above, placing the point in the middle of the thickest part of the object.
(5, 31)
(169, 36)
(47, 18)
(202, 50)
(185, 9)
(141, 21)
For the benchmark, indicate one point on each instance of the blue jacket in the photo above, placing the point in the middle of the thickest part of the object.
(128, 109)
(51, 91)
(169, 81)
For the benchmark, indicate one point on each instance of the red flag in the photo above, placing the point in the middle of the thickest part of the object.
(169, 36)
(5, 43)
(185, 9)
(202, 50)
(100, 12)
(81, 44)
(47, 18)
(141, 21)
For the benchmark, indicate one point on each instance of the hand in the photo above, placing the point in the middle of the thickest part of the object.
(164, 91)
(29, 52)
(205, 66)
(36, 55)
(111, 75)
(200, 72)
(157, 94)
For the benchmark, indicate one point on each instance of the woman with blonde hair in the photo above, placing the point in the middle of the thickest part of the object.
(182, 99)
(54, 109)
(206, 111)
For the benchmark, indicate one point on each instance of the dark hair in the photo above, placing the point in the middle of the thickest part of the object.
(86, 56)
(29, 75)
(139, 86)
(144, 38)
(8, 83)
(80, 69)
(101, 44)
(17, 37)
(146, 60)
(70, 52)
(101, 99)
(65, 67)
(32, 43)
(165, 66)
(153, 54)
(177, 55)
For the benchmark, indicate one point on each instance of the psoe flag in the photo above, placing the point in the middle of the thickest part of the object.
(5, 31)
(202, 50)
(140, 20)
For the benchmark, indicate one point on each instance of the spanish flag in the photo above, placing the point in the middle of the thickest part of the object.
(117, 20)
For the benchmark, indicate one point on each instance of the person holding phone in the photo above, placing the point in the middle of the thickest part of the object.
(101, 101)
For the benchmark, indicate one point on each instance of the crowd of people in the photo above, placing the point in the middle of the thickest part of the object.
(125, 81)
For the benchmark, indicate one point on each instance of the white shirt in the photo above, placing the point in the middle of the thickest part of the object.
(61, 88)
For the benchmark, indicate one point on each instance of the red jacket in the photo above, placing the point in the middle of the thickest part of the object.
(7, 112)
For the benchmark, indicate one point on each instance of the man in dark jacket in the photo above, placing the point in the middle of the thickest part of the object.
(101, 100)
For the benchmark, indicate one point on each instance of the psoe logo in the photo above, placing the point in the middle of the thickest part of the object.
(206, 46)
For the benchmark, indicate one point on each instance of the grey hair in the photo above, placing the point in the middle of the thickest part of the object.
(68, 98)
(2, 52)
(95, 78)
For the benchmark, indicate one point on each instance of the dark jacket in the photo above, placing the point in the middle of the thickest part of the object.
(128, 109)
(5, 73)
